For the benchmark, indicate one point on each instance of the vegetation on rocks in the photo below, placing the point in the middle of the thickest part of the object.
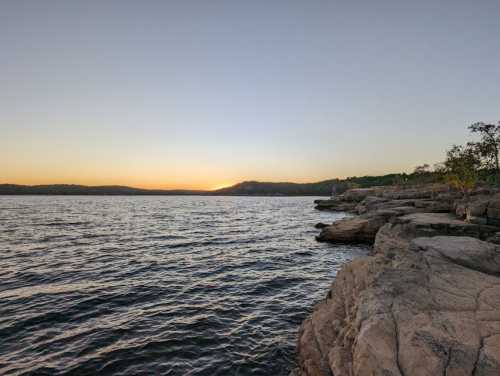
(427, 300)
(468, 165)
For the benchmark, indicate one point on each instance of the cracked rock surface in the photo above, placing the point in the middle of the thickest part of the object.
(430, 306)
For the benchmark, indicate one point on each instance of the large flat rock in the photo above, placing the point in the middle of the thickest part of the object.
(434, 197)
(400, 224)
(335, 205)
(396, 235)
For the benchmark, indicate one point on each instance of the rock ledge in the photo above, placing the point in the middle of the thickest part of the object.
(425, 303)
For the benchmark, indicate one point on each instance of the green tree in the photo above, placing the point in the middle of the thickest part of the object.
(489, 146)
(462, 165)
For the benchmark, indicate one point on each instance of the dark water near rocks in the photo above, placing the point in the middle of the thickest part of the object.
(158, 285)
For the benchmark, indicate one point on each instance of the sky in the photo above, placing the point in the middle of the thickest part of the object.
(204, 94)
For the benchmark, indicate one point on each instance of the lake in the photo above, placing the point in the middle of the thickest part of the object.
(159, 285)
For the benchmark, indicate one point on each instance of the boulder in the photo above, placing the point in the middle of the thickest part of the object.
(352, 230)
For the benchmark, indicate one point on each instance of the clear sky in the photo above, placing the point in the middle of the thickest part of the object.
(202, 94)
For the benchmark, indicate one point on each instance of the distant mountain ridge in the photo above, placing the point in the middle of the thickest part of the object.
(256, 188)
(246, 188)
(251, 188)
(73, 189)
(325, 187)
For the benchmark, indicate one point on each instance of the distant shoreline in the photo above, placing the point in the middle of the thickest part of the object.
(247, 188)
(320, 189)
(159, 195)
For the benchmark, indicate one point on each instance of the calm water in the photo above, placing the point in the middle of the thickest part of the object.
(158, 285)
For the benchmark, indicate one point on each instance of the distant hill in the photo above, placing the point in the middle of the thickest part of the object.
(323, 188)
(71, 189)
(255, 188)
(247, 188)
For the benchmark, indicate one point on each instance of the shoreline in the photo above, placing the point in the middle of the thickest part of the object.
(152, 195)
(426, 301)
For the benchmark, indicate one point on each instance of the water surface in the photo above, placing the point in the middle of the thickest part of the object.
(166, 285)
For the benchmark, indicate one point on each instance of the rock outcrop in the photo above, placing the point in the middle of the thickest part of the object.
(395, 237)
(381, 206)
(348, 200)
(361, 229)
(481, 209)
(425, 303)
(432, 310)
(354, 199)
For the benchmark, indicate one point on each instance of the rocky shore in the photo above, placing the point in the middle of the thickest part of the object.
(426, 302)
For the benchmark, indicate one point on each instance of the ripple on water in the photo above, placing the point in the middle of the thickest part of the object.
(158, 285)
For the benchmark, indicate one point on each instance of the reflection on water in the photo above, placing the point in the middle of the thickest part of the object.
(158, 285)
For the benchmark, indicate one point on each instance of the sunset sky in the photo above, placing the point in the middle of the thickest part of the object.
(203, 94)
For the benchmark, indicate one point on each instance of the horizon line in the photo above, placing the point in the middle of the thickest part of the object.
(222, 186)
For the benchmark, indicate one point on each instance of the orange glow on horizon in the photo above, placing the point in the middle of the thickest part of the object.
(146, 183)
(140, 172)
(221, 186)
(103, 182)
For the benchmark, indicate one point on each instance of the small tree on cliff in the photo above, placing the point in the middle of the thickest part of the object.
(462, 165)
(489, 146)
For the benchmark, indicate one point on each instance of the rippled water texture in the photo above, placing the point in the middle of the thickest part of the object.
(158, 285)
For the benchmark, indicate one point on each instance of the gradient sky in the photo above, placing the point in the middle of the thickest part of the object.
(202, 94)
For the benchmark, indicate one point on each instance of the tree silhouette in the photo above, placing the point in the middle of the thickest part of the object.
(489, 146)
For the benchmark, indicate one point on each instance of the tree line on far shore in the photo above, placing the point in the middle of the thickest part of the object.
(465, 167)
